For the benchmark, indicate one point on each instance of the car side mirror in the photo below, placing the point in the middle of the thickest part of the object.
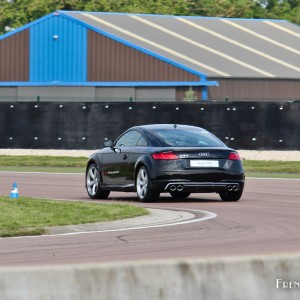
(109, 143)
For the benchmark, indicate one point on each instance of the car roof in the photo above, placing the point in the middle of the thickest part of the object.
(165, 126)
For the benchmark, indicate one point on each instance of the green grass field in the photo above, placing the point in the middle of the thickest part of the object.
(42, 161)
(253, 168)
(267, 166)
(27, 216)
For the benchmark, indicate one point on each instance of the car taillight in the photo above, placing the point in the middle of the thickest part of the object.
(165, 155)
(234, 156)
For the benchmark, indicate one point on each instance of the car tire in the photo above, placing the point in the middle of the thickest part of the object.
(143, 186)
(231, 196)
(93, 183)
(179, 195)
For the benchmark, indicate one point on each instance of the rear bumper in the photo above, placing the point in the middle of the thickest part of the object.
(198, 187)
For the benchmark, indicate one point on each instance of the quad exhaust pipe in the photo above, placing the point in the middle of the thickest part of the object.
(178, 187)
(232, 187)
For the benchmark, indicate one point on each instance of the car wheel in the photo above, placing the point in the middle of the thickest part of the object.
(230, 196)
(93, 183)
(143, 186)
(177, 195)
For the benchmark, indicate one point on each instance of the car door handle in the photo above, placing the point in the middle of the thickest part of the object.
(117, 150)
(125, 156)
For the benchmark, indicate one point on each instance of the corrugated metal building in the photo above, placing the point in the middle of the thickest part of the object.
(84, 56)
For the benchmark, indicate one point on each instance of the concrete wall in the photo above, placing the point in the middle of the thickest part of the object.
(155, 94)
(89, 94)
(246, 278)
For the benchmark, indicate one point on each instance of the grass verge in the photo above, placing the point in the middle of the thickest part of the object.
(273, 175)
(270, 166)
(43, 169)
(272, 169)
(27, 216)
(42, 161)
(61, 164)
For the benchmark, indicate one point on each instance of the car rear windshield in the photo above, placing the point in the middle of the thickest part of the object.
(187, 138)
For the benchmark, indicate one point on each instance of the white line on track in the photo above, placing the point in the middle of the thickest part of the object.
(263, 178)
(54, 173)
(207, 215)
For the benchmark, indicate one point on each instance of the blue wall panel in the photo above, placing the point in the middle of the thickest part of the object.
(58, 51)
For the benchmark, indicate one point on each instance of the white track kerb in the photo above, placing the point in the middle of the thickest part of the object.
(175, 218)
(207, 215)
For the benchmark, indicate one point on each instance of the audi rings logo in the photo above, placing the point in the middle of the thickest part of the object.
(204, 154)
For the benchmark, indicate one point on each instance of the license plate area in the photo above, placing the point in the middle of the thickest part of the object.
(203, 163)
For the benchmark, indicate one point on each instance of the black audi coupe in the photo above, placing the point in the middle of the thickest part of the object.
(165, 158)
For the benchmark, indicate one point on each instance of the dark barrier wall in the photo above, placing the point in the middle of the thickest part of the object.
(251, 125)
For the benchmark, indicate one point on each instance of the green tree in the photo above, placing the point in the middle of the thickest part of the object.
(223, 8)
(294, 3)
(190, 95)
(15, 13)
(279, 9)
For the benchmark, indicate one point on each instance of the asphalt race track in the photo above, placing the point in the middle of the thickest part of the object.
(265, 221)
